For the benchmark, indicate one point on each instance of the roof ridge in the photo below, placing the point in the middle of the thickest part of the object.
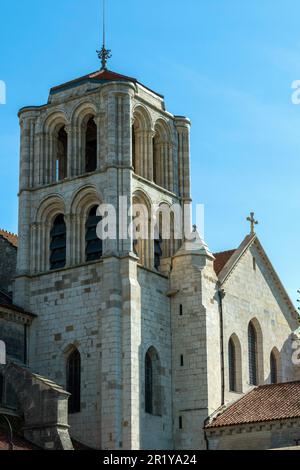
(225, 251)
(8, 232)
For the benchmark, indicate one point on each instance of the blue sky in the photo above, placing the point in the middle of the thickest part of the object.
(226, 64)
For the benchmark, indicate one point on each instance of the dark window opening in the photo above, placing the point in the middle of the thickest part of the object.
(273, 368)
(1, 389)
(148, 384)
(133, 148)
(94, 246)
(252, 351)
(254, 264)
(181, 310)
(155, 160)
(181, 361)
(74, 381)
(62, 155)
(180, 422)
(58, 243)
(232, 366)
(91, 147)
(157, 252)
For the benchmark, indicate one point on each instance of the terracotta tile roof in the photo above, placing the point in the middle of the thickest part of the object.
(264, 403)
(19, 443)
(221, 259)
(100, 76)
(10, 237)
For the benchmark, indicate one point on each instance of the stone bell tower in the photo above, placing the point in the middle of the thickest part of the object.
(103, 138)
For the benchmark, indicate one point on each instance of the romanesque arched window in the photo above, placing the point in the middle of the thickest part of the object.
(153, 399)
(142, 245)
(252, 354)
(93, 248)
(232, 366)
(91, 146)
(148, 384)
(74, 381)
(162, 156)
(61, 163)
(58, 242)
(273, 368)
(142, 143)
(235, 379)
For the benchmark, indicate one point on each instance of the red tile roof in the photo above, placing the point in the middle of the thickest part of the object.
(100, 76)
(10, 237)
(221, 259)
(262, 404)
(19, 443)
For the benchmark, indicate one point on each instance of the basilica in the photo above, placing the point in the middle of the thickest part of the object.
(133, 342)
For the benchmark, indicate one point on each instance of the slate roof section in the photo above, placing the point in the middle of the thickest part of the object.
(262, 404)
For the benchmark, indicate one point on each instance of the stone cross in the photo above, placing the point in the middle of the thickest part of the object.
(253, 222)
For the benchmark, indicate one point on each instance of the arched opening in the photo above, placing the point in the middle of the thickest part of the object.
(58, 241)
(61, 163)
(274, 366)
(94, 246)
(91, 146)
(162, 156)
(235, 378)
(142, 144)
(232, 366)
(252, 352)
(74, 381)
(141, 229)
(255, 353)
(153, 398)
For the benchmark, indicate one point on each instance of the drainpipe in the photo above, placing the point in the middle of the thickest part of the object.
(221, 295)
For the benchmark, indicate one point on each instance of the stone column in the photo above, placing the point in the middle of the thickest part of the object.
(183, 129)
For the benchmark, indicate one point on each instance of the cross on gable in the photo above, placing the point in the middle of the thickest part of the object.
(253, 222)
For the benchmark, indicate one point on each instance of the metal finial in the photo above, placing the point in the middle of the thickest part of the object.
(253, 222)
(104, 54)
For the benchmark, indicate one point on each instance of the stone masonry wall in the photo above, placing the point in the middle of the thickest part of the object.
(274, 435)
(252, 294)
(8, 261)
(68, 304)
(156, 431)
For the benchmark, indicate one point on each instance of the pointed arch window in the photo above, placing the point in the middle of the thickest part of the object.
(232, 366)
(273, 368)
(252, 352)
(58, 241)
(94, 246)
(74, 381)
(62, 155)
(91, 146)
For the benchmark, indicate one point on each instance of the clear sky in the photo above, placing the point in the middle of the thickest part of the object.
(226, 64)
